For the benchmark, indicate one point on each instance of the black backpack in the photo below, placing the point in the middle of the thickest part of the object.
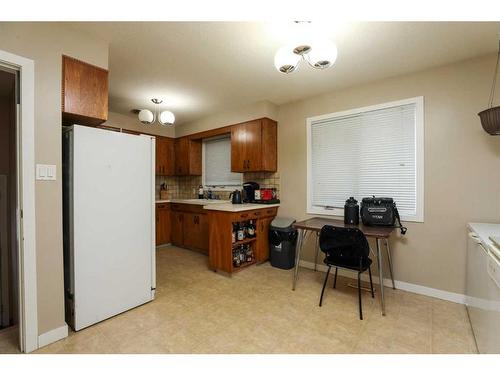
(381, 211)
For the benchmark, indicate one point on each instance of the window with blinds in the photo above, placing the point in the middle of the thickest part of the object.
(217, 164)
(376, 150)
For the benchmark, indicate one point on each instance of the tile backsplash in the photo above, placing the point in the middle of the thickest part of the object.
(186, 187)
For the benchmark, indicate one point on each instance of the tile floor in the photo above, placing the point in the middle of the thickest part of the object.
(255, 311)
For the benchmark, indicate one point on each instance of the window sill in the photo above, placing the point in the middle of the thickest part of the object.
(338, 213)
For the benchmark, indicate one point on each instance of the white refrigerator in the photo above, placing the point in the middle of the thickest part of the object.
(109, 223)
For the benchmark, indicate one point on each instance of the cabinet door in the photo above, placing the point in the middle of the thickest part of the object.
(195, 150)
(202, 232)
(190, 230)
(85, 92)
(262, 248)
(164, 156)
(269, 146)
(162, 225)
(168, 157)
(177, 233)
(181, 156)
(159, 156)
(253, 146)
(238, 148)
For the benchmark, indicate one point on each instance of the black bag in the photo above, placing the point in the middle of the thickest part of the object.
(380, 211)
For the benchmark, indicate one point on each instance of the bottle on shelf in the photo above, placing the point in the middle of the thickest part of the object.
(251, 229)
(200, 192)
(249, 254)
(236, 258)
(240, 233)
(243, 257)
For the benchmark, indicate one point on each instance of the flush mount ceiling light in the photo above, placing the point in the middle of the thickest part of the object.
(319, 53)
(165, 118)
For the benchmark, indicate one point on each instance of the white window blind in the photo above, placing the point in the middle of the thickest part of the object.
(217, 163)
(362, 154)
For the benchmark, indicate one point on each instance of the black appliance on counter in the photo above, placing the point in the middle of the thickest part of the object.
(236, 197)
(249, 191)
(351, 211)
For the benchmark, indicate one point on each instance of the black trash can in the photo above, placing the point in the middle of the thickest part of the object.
(282, 240)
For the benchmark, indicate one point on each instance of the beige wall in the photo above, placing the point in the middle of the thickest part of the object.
(45, 43)
(462, 164)
(462, 182)
(218, 120)
(118, 120)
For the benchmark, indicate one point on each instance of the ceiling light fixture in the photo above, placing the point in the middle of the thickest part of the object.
(165, 118)
(319, 54)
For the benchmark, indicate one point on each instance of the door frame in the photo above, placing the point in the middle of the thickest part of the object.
(25, 213)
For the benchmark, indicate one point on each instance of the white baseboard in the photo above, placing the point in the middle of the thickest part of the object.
(52, 336)
(408, 287)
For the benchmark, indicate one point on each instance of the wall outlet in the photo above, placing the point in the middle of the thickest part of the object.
(46, 172)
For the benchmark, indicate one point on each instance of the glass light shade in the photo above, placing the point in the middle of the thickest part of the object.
(322, 55)
(285, 60)
(146, 116)
(167, 118)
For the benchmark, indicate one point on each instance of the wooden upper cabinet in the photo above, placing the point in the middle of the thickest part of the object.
(165, 163)
(254, 146)
(84, 93)
(187, 157)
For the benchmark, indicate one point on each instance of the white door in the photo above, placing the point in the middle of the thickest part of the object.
(113, 201)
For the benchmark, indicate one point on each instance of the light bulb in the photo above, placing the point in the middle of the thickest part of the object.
(285, 60)
(146, 116)
(167, 118)
(322, 54)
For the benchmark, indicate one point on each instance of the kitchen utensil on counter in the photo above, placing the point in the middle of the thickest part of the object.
(236, 197)
(163, 191)
(266, 194)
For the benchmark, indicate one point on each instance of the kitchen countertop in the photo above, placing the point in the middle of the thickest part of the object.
(196, 201)
(229, 207)
(219, 205)
(484, 231)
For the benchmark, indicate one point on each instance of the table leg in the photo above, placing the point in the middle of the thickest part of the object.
(390, 261)
(381, 277)
(298, 247)
(317, 252)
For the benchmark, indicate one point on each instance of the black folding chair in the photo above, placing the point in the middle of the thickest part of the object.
(345, 248)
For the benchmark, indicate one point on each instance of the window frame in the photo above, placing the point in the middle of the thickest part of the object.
(203, 168)
(419, 157)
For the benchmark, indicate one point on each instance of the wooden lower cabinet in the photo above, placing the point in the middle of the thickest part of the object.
(163, 227)
(262, 248)
(220, 224)
(177, 228)
(190, 227)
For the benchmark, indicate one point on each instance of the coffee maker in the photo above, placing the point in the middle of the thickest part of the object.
(249, 191)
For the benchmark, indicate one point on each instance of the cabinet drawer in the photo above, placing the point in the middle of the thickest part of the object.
(162, 206)
(184, 207)
(255, 214)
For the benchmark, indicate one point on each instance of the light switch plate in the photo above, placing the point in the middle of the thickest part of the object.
(46, 172)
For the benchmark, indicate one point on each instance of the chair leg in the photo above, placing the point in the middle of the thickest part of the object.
(324, 285)
(335, 279)
(359, 296)
(371, 282)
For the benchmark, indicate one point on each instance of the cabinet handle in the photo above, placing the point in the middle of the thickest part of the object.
(244, 215)
(257, 213)
(248, 164)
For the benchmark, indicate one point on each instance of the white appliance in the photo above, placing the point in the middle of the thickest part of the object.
(483, 286)
(109, 226)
